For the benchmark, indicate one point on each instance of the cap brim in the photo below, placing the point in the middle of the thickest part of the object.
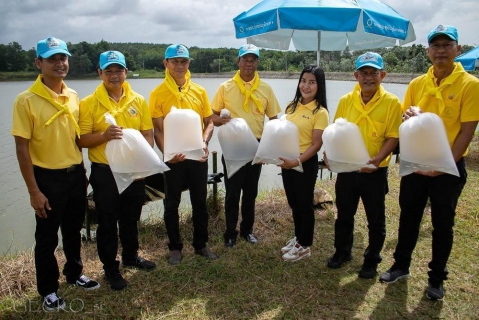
(370, 65)
(440, 34)
(103, 67)
(188, 58)
(50, 53)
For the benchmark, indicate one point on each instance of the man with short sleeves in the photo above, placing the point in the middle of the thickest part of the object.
(45, 130)
(178, 90)
(116, 97)
(377, 113)
(453, 94)
(245, 96)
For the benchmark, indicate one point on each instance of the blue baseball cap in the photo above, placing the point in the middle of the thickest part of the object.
(443, 29)
(112, 57)
(177, 51)
(370, 59)
(248, 48)
(50, 46)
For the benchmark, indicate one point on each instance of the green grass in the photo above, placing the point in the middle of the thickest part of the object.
(251, 282)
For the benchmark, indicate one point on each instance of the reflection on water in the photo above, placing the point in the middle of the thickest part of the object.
(17, 222)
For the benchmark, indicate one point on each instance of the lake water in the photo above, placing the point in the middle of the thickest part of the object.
(17, 223)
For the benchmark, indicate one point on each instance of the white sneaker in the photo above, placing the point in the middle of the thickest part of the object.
(297, 253)
(52, 302)
(289, 245)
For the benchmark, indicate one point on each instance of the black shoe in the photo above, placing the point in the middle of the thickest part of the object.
(368, 271)
(250, 238)
(230, 243)
(85, 283)
(434, 291)
(393, 275)
(175, 257)
(139, 263)
(115, 280)
(207, 253)
(337, 261)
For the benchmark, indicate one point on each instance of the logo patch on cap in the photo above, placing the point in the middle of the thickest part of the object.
(368, 57)
(440, 28)
(53, 43)
(180, 51)
(113, 56)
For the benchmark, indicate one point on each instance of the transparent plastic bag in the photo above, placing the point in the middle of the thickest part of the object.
(183, 134)
(280, 139)
(238, 144)
(424, 145)
(131, 157)
(344, 147)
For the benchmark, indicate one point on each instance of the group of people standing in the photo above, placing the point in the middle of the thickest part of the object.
(51, 126)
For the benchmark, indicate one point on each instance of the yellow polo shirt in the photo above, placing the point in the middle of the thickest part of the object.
(133, 114)
(196, 98)
(52, 146)
(228, 96)
(461, 99)
(382, 121)
(307, 121)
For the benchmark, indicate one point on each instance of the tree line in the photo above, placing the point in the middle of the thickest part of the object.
(149, 56)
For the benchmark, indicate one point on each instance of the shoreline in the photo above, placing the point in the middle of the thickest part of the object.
(400, 78)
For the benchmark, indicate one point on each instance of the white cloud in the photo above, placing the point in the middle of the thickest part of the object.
(194, 23)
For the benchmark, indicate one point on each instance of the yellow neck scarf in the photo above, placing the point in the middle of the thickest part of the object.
(102, 96)
(39, 89)
(171, 84)
(434, 91)
(249, 93)
(358, 104)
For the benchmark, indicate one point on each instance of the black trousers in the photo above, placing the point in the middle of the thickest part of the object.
(66, 193)
(443, 191)
(117, 213)
(371, 188)
(192, 174)
(245, 179)
(299, 188)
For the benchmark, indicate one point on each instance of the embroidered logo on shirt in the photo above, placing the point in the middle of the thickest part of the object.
(305, 116)
(132, 112)
(451, 97)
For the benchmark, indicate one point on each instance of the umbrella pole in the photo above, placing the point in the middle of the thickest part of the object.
(319, 46)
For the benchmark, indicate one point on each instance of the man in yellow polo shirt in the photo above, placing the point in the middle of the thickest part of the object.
(453, 94)
(115, 96)
(178, 90)
(245, 96)
(378, 116)
(45, 129)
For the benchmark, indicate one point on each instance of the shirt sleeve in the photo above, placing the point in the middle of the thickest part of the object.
(273, 108)
(85, 121)
(146, 122)
(22, 121)
(218, 102)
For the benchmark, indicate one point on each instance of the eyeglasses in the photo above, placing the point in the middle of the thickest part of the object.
(365, 74)
(445, 46)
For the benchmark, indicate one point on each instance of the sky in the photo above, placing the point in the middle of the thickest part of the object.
(201, 23)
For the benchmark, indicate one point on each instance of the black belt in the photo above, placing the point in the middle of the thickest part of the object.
(67, 170)
(100, 165)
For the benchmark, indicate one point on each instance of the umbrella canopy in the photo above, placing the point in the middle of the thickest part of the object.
(328, 25)
(470, 59)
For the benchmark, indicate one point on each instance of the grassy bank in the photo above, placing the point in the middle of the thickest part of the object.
(251, 282)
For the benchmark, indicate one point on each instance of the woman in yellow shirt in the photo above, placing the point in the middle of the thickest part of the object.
(309, 112)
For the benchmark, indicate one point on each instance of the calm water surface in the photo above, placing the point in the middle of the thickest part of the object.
(17, 222)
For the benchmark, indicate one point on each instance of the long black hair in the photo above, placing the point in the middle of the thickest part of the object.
(320, 94)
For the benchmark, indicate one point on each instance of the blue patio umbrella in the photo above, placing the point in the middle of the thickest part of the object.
(470, 59)
(328, 25)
